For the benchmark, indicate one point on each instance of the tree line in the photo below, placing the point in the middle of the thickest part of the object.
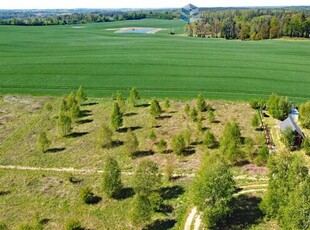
(252, 24)
(55, 18)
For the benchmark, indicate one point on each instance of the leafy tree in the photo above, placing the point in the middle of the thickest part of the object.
(86, 195)
(288, 137)
(255, 121)
(230, 142)
(213, 189)
(304, 115)
(134, 96)
(201, 104)
(262, 157)
(64, 125)
(105, 136)
(73, 224)
(211, 116)
(116, 117)
(141, 210)
(155, 109)
(306, 146)
(43, 142)
(286, 195)
(209, 139)
(80, 95)
(147, 177)
(162, 145)
(178, 144)
(112, 183)
(131, 143)
(278, 106)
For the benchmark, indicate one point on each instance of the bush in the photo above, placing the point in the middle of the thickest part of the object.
(87, 195)
(73, 224)
(193, 114)
(262, 157)
(178, 144)
(131, 143)
(187, 109)
(105, 136)
(304, 115)
(155, 109)
(156, 201)
(278, 106)
(306, 146)
(167, 104)
(64, 125)
(209, 139)
(288, 137)
(152, 135)
(162, 145)
(257, 103)
(141, 210)
(211, 117)
(43, 142)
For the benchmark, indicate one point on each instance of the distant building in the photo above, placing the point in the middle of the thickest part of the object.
(190, 13)
(290, 123)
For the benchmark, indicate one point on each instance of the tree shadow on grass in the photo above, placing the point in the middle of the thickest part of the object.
(3, 193)
(188, 151)
(245, 214)
(85, 121)
(85, 113)
(55, 150)
(117, 143)
(161, 224)
(142, 154)
(89, 104)
(126, 129)
(172, 192)
(77, 134)
(130, 114)
(143, 105)
(164, 117)
(94, 200)
(124, 194)
(75, 180)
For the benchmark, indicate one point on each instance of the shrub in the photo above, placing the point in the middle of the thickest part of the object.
(43, 142)
(162, 145)
(131, 143)
(178, 144)
(152, 135)
(73, 224)
(278, 106)
(105, 136)
(134, 96)
(80, 95)
(211, 116)
(167, 104)
(87, 195)
(156, 201)
(306, 146)
(209, 139)
(304, 115)
(262, 156)
(147, 177)
(141, 210)
(288, 137)
(64, 125)
(187, 136)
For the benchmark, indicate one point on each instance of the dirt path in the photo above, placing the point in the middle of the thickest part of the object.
(250, 191)
(190, 219)
(197, 222)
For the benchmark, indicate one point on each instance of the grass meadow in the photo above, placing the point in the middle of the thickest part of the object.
(54, 60)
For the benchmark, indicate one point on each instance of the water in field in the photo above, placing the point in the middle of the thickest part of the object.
(138, 30)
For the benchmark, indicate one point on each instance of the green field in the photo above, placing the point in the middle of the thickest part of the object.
(56, 59)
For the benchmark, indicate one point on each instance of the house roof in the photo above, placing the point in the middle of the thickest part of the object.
(289, 122)
(190, 7)
(294, 111)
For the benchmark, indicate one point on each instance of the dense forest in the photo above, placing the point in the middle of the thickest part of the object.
(61, 17)
(254, 24)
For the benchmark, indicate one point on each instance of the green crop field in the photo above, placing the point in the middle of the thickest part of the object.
(56, 59)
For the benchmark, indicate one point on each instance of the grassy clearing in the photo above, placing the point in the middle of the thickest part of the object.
(56, 59)
(52, 196)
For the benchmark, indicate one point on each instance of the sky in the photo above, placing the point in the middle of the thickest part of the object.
(57, 4)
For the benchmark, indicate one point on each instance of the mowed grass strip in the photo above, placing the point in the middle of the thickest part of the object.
(56, 59)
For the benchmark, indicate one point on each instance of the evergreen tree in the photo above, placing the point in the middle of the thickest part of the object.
(131, 143)
(213, 189)
(155, 109)
(167, 104)
(209, 139)
(134, 96)
(80, 95)
(64, 125)
(187, 109)
(211, 116)
(255, 121)
(201, 104)
(105, 136)
(86, 195)
(178, 144)
(43, 142)
(193, 114)
(141, 210)
(162, 145)
(116, 117)
(147, 177)
(112, 184)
